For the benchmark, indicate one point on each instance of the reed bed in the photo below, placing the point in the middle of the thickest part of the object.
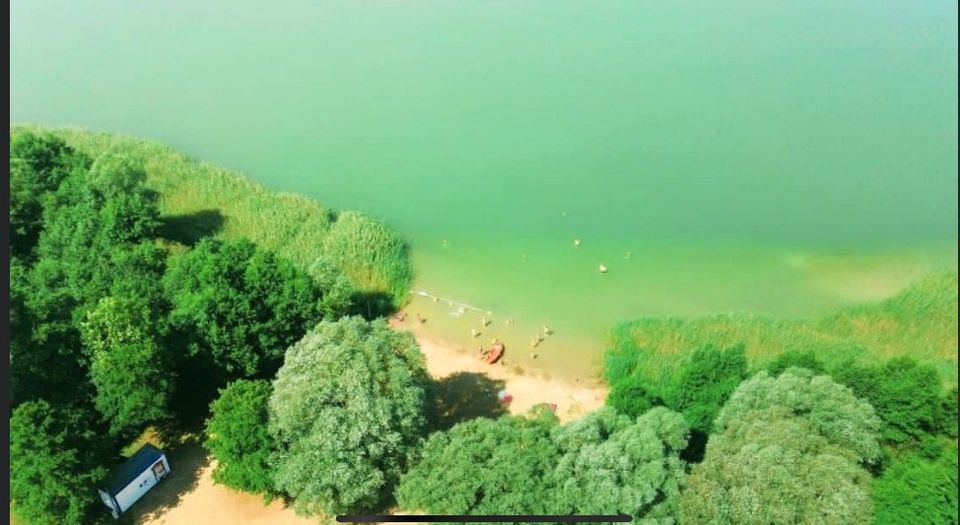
(921, 322)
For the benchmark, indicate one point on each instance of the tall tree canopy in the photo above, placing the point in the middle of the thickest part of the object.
(38, 164)
(612, 464)
(906, 395)
(767, 467)
(56, 460)
(238, 437)
(347, 409)
(241, 304)
(786, 450)
(831, 408)
(93, 244)
(129, 367)
(914, 489)
(604, 463)
(485, 466)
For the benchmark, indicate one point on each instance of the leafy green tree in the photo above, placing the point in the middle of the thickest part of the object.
(38, 164)
(243, 305)
(916, 490)
(238, 437)
(697, 390)
(20, 330)
(831, 408)
(789, 449)
(705, 382)
(56, 460)
(129, 367)
(603, 463)
(949, 414)
(796, 359)
(338, 290)
(485, 466)
(612, 463)
(346, 411)
(770, 467)
(633, 396)
(128, 211)
(58, 293)
(79, 261)
(906, 395)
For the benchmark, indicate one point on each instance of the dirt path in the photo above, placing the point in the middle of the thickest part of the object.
(468, 386)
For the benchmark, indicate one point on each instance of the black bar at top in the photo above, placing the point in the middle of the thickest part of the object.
(488, 518)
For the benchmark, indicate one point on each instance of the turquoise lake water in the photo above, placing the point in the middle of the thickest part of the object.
(767, 157)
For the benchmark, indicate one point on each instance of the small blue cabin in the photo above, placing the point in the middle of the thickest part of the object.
(129, 481)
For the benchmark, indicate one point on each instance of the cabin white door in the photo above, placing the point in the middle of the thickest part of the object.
(148, 483)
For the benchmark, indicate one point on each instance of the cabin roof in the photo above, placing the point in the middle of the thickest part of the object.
(123, 474)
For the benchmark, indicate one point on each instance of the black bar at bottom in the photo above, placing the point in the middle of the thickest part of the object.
(488, 518)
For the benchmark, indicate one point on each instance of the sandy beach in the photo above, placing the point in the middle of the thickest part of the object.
(527, 386)
(189, 495)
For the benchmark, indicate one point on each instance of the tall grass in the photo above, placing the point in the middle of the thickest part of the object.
(921, 321)
(371, 254)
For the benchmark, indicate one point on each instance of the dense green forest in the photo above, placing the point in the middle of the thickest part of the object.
(144, 293)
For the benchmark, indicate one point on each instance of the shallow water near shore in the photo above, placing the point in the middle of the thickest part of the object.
(778, 159)
(520, 287)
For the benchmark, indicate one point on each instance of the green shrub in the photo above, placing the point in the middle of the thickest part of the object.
(238, 437)
(906, 395)
(705, 382)
(917, 490)
(56, 462)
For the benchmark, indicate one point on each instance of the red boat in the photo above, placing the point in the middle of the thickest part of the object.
(495, 353)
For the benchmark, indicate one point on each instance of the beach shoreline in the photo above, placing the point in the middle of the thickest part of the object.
(526, 385)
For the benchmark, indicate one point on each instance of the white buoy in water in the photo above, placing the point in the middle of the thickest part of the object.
(576, 243)
(603, 269)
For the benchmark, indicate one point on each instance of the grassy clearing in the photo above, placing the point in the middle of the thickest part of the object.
(198, 198)
(921, 322)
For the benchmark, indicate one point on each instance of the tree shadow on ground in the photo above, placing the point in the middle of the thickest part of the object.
(189, 229)
(463, 396)
(371, 305)
(198, 384)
